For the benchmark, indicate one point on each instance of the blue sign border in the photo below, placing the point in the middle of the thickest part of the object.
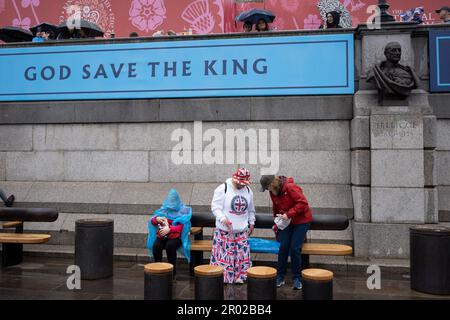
(345, 88)
(435, 37)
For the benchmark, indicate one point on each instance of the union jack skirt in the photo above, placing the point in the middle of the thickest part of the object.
(232, 252)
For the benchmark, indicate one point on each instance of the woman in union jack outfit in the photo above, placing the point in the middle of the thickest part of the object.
(234, 209)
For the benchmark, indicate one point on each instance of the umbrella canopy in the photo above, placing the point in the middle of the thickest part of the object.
(255, 15)
(15, 34)
(90, 29)
(43, 27)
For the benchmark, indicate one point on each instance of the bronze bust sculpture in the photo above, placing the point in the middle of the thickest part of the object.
(392, 78)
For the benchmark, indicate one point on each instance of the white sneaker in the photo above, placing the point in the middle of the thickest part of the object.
(239, 281)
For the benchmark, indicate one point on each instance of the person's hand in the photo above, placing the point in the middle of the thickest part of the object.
(226, 222)
(251, 229)
(164, 231)
(159, 220)
(283, 216)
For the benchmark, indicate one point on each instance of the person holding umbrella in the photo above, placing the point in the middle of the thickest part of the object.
(83, 29)
(260, 18)
(262, 26)
(43, 32)
(41, 36)
(248, 26)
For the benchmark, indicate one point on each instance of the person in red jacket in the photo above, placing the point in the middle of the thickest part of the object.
(168, 237)
(289, 204)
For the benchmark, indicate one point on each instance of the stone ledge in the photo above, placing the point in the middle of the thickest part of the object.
(333, 107)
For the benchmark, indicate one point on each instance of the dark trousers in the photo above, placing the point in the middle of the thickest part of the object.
(291, 241)
(171, 246)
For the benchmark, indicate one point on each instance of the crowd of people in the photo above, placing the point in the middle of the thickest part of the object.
(233, 208)
(332, 21)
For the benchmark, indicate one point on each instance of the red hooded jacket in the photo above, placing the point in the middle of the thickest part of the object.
(291, 201)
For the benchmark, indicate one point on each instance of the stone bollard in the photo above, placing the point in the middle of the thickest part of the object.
(158, 280)
(317, 284)
(261, 283)
(208, 282)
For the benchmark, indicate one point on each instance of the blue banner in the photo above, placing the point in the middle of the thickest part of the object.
(439, 61)
(263, 66)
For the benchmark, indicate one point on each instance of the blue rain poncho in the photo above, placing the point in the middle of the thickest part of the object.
(263, 245)
(173, 209)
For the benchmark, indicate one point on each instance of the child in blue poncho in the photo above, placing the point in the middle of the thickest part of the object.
(169, 229)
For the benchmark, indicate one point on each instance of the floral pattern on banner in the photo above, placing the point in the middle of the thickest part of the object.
(25, 22)
(199, 16)
(312, 21)
(99, 12)
(147, 15)
(290, 5)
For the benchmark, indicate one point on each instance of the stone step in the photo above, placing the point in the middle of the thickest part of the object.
(141, 255)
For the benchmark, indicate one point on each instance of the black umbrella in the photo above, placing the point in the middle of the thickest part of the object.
(15, 34)
(255, 15)
(43, 27)
(91, 30)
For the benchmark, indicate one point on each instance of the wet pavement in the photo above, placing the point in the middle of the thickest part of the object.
(45, 278)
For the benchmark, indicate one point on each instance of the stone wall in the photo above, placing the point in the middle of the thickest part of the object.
(124, 171)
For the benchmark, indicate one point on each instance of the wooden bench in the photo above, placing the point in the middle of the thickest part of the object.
(322, 222)
(307, 248)
(12, 243)
(24, 238)
(318, 249)
(12, 224)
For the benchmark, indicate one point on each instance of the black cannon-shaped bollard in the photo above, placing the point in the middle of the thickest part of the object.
(317, 284)
(158, 281)
(261, 283)
(208, 282)
(28, 214)
(265, 221)
(94, 248)
(12, 253)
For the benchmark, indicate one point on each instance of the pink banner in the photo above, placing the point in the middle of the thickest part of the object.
(201, 16)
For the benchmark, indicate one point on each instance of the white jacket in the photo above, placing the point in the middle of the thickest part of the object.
(235, 205)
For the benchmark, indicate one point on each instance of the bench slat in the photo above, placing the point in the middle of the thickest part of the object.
(25, 238)
(327, 249)
(308, 248)
(11, 224)
(196, 230)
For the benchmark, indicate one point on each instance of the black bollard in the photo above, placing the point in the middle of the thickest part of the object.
(158, 281)
(317, 284)
(94, 248)
(430, 259)
(208, 282)
(261, 283)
